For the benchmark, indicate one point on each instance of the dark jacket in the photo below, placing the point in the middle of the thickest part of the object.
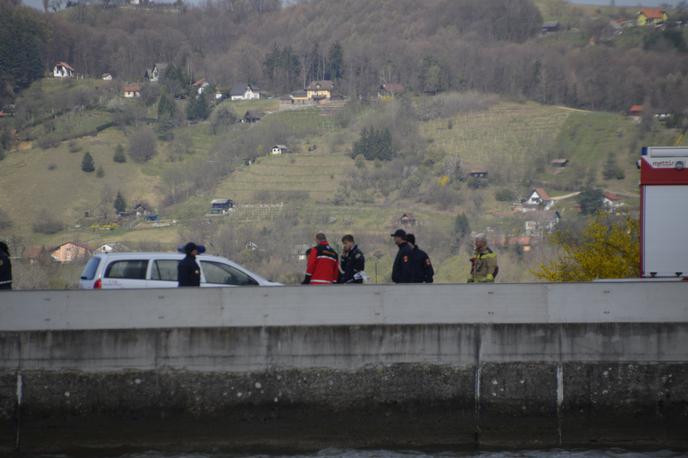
(423, 271)
(402, 272)
(5, 271)
(352, 263)
(188, 272)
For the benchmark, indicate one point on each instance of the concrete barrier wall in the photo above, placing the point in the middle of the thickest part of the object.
(443, 366)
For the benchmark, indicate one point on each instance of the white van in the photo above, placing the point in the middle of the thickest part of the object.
(159, 270)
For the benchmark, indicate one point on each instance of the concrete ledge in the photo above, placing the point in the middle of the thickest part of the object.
(345, 305)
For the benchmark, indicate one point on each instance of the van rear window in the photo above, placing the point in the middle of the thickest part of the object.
(134, 269)
(91, 268)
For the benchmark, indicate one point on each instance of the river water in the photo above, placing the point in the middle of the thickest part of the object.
(332, 453)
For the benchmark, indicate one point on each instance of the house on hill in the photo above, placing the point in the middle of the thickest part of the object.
(550, 26)
(252, 116)
(635, 111)
(131, 91)
(407, 220)
(299, 98)
(320, 90)
(559, 163)
(278, 150)
(154, 74)
(390, 90)
(244, 91)
(63, 70)
(539, 197)
(200, 86)
(70, 251)
(221, 206)
(611, 201)
(479, 174)
(651, 16)
(106, 77)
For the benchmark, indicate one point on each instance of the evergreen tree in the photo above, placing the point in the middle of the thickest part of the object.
(87, 164)
(119, 156)
(590, 200)
(100, 172)
(197, 109)
(120, 204)
(612, 170)
(167, 109)
(374, 144)
(335, 62)
(461, 226)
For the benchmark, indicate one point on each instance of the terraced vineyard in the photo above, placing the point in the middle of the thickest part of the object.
(506, 137)
(315, 175)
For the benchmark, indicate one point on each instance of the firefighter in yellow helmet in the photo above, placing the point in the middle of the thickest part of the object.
(484, 267)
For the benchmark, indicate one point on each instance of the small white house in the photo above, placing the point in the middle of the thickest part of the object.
(63, 70)
(154, 74)
(278, 150)
(106, 77)
(611, 201)
(244, 92)
(539, 197)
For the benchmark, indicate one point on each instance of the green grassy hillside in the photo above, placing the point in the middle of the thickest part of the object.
(513, 141)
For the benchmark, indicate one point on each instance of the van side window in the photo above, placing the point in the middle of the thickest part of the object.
(223, 274)
(134, 270)
(165, 270)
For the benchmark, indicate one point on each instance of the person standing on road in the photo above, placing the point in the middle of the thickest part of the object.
(323, 263)
(352, 262)
(423, 272)
(5, 267)
(188, 270)
(402, 271)
(484, 266)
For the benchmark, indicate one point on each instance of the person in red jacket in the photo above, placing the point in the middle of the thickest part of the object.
(323, 263)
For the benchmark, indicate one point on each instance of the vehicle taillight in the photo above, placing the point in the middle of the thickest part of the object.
(98, 284)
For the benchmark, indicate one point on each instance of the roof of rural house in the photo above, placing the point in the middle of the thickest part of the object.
(254, 114)
(324, 85)
(161, 66)
(550, 24)
(559, 161)
(611, 196)
(393, 88)
(280, 146)
(542, 193)
(77, 244)
(240, 89)
(132, 87)
(652, 13)
(220, 201)
(65, 65)
(199, 83)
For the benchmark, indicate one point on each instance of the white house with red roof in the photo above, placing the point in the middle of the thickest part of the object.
(63, 70)
(539, 197)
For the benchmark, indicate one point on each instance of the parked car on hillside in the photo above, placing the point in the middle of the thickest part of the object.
(159, 270)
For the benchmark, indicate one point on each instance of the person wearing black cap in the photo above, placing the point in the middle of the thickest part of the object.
(402, 271)
(188, 271)
(423, 272)
(5, 267)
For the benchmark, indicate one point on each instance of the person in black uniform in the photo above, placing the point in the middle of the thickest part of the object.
(402, 271)
(423, 272)
(188, 270)
(352, 261)
(5, 267)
